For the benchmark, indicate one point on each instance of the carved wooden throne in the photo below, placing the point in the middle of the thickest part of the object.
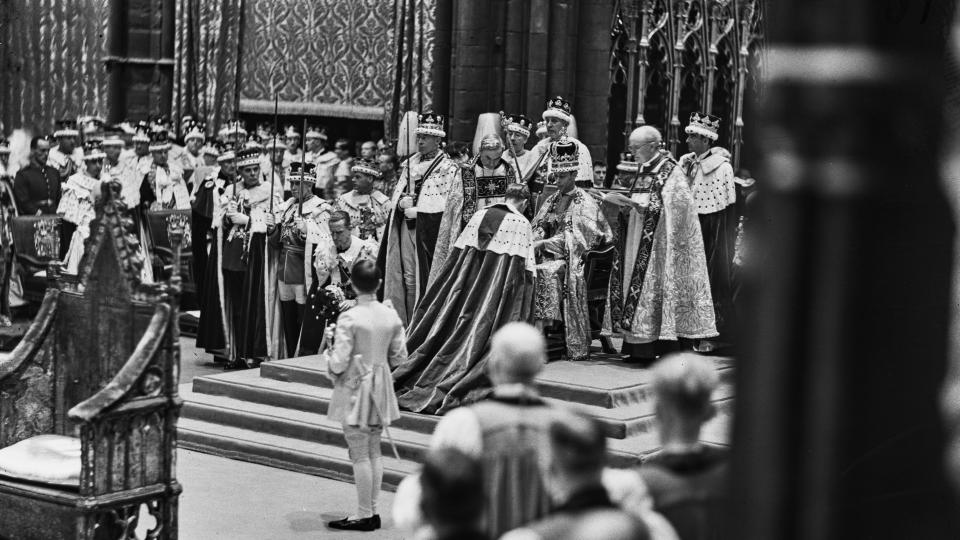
(96, 375)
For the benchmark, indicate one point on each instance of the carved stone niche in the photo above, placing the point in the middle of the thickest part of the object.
(97, 374)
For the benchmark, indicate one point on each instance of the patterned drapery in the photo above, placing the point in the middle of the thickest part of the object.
(322, 57)
(415, 32)
(51, 61)
(207, 55)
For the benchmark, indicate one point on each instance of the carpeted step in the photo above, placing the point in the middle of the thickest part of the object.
(247, 386)
(328, 461)
(604, 381)
(290, 423)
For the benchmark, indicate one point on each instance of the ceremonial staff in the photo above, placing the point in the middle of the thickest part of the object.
(236, 130)
(303, 166)
(273, 166)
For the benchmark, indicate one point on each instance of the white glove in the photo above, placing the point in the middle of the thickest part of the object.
(237, 218)
(410, 213)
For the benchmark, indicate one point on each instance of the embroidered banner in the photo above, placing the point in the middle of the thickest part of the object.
(322, 57)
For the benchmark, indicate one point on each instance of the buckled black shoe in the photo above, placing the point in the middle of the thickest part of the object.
(361, 524)
(237, 364)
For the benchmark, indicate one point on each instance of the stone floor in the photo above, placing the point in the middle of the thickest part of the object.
(227, 499)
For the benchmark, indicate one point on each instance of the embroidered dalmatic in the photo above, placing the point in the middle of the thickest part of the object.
(76, 207)
(577, 224)
(476, 188)
(659, 287)
(368, 213)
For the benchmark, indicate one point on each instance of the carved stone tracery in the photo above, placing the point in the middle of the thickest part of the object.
(691, 55)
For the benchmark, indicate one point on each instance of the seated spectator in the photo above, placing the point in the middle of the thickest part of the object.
(451, 501)
(687, 479)
(573, 472)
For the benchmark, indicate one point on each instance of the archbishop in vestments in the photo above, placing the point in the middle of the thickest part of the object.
(486, 282)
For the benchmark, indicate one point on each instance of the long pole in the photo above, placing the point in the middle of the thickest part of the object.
(273, 148)
(303, 167)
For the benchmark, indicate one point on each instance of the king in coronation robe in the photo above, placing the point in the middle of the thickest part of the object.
(485, 283)
(417, 208)
(659, 285)
(483, 181)
(569, 224)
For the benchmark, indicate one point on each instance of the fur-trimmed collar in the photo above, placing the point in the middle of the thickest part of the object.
(352, 198)
(716, 157)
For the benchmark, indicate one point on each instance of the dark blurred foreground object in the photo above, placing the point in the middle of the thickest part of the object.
(837, 430)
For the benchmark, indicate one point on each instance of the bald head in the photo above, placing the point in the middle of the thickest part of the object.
(685, 382)
(517, 354)
(644, 142)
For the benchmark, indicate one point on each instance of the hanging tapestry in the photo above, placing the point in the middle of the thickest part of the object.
(322, 57)
(52, 61)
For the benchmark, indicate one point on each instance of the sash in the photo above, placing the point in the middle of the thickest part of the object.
(416, 186)
(623, 309)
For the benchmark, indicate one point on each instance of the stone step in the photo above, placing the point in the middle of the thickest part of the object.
(605, 381)
(217, 413)
(247, 386)
(291, 423)
(326, 460)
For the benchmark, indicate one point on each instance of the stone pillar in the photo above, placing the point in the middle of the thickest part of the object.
(470, 82)
(592, 75)
(538, 44)
(514, 55)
